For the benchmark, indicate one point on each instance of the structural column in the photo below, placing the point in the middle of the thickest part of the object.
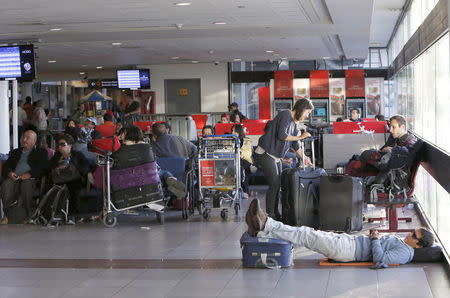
(14, 115)
(4, 118)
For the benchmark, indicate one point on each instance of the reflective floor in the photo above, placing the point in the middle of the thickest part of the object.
(193, 258)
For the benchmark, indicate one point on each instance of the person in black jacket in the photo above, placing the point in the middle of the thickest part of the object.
(64, 159)
(23, 167)
(279, 136)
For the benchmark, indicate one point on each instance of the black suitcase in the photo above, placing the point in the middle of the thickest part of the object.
(341, 203)
(135, 196)
(300, 195)
(133, 155)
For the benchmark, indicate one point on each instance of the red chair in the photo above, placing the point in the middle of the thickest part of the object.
(353, 127)
(256, 126)
(200, 122)
(223, 128)
(382, 199)
(106, 130)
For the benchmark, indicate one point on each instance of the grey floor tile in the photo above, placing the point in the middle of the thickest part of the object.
(142, 292)
(106, 282)
(211, 274)
(92, 291)
(163, 274)
(394, 281)
(301, 282)
(31, 292)
(352, 282)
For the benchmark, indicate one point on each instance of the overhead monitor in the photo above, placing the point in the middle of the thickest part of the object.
(134, 79)
(17, 62)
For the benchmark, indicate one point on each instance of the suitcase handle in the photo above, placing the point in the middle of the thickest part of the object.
(313, 159)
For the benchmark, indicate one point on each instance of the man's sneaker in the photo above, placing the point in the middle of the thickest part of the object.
(176, 187)
(255, 218)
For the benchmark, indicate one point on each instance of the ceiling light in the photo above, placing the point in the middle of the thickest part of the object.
(237, 59)
(241, 6)
(51, 61)
(194, 61)
(174, 57)
(183, 3)
(81, 73)
(56, 29)
(116, 43)
(326, 57)
(84, 65)
(219, 23)
(269, 51)
(99, 67)
(276, 54)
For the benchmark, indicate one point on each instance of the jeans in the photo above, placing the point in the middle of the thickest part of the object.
(272, 171)
(339, 247)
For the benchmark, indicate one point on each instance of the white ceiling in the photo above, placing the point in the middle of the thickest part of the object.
(296, 29)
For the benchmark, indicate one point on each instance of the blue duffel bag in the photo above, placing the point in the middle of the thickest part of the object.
(266, 252)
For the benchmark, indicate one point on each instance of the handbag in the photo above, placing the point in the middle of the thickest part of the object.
(65, 175)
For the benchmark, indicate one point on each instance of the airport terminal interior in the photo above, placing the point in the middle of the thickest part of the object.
(234, 148)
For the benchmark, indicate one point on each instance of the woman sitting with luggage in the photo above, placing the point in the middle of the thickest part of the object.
(246, 156)
(134, 147)
(279, 136)
(70, 168)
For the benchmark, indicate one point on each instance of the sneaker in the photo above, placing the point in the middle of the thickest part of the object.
(71, 222)
(255, 218)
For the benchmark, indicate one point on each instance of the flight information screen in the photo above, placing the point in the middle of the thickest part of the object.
(10, 62)
(134, 79)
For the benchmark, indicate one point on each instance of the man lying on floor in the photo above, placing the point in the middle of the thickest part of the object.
(383, 251)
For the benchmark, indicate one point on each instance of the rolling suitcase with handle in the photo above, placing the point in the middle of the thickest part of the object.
(341, 203)
(300, 193)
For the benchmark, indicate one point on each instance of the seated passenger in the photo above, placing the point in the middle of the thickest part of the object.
(379, 117)
(69, 167)
(355, 116)
(398, 152)
(135, 137)
(245, 155)
(43, 143)
(168, 145)
(207, 130)
(108, 119)
(224, 119)
(382, 250)
(24, 165)
(88, 132)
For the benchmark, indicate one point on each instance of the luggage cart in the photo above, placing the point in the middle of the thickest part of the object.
(219, 174)
(110, 210)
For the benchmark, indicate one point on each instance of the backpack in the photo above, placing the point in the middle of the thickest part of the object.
(53, 207)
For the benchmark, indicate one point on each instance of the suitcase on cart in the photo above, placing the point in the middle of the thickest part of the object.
(136, 185)
(265, 252)
(300, 195)
(133, 155)
(341, 203)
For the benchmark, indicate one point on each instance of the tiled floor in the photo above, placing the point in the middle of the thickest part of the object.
(183, 250)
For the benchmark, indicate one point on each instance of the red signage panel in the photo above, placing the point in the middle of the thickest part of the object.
(264, 102)
(319, 85)
(284, 84)
(354, 83)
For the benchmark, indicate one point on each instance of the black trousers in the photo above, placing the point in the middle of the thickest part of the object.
(272, 171)
(20, 191)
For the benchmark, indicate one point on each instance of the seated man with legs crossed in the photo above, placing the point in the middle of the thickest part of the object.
(383, 251)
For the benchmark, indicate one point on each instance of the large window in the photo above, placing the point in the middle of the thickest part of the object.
(421, 92)
(413, 18)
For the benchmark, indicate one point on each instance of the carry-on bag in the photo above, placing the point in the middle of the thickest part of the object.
(266, 252)
(133, 155)
(341, 203)
(300, 194)
(53, 207)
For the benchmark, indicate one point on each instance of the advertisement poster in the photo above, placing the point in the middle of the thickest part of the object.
(264, 103)
(337, 97)
(319, 85)
(283, 83)
(301, 89)
(147, 100)
(217, 172)
(374, 90)
(354, 83)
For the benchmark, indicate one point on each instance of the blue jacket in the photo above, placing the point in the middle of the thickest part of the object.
(387, 250)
